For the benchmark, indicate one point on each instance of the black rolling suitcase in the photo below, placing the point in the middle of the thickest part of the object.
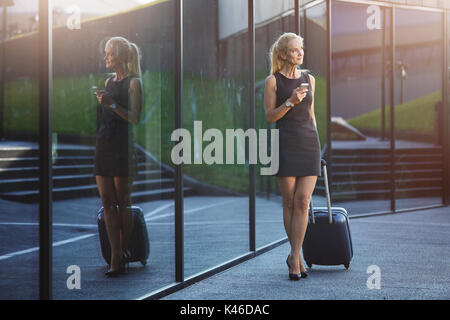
(327, 240)
(138, 245)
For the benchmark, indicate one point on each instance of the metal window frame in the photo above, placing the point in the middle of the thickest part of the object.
(329, 154)
(251, 107)
(45, 150)
(445, 112)
(446, 107)
(4, 9)
(178, 105)
(392, 109)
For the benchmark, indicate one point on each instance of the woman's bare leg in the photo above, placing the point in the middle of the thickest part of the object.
(123, 191)
(287, 189)
(299, 221)
(112, 220)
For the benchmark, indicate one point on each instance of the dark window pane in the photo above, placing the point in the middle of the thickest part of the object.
(215, 99)
(361, 149)
(91, 140)
(418, 108)
(19, 152)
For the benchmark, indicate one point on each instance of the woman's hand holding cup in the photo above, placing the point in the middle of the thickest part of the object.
(102, 97)
(298, 95)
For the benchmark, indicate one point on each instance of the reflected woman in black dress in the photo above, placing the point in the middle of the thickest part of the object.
(115, 159)
(291, 106)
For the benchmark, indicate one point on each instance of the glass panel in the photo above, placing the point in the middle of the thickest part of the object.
(272, 18)
(19, 151)
(447, 129)
(215, 99)
(302, 22)
(315, 34)
(93, 140)
(360, 68)
(418, 108)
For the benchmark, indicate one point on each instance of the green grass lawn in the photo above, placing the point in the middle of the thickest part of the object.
(74, 106)
(218, 104)
(413, 116)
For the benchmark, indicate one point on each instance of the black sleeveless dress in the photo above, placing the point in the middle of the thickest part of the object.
(114, 153)
(299, 145)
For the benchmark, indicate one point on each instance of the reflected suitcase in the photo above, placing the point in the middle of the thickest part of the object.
(327, 240)
(138, 245)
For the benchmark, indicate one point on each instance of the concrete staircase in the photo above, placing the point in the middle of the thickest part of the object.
(73, 175)
(364, 174)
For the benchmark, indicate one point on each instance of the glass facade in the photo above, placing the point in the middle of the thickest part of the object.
(418, 108)
(78, 65)
(215, 103)
(19, 153)
(370, 170)
(360, 106)
(363, 171)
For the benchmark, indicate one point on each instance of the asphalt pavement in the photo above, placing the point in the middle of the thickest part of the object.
(396, 257)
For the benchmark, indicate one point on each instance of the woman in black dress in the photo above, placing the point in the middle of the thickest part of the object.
(115, 159)
(292, 108)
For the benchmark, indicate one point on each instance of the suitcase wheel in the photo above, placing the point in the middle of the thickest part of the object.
(347, 265)
(309, 265)
(144, 262)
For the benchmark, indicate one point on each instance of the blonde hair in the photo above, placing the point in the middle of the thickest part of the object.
(281, 46)
(130, 52)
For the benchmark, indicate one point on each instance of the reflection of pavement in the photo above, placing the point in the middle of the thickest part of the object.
(215, 231)
(410, 249)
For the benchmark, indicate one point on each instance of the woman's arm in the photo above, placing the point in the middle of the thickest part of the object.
(135, 102)
(270, 97)
(313, 85)
(135, 97)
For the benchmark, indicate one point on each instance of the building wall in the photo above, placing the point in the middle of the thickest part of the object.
(80, 52)
(427, 3)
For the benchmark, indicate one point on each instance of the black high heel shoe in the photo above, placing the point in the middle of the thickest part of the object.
(303, 274)
(292, 276)
(126, 256)
(113, 273)
(122, 266)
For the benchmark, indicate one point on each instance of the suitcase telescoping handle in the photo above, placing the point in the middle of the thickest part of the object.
(327, 192)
